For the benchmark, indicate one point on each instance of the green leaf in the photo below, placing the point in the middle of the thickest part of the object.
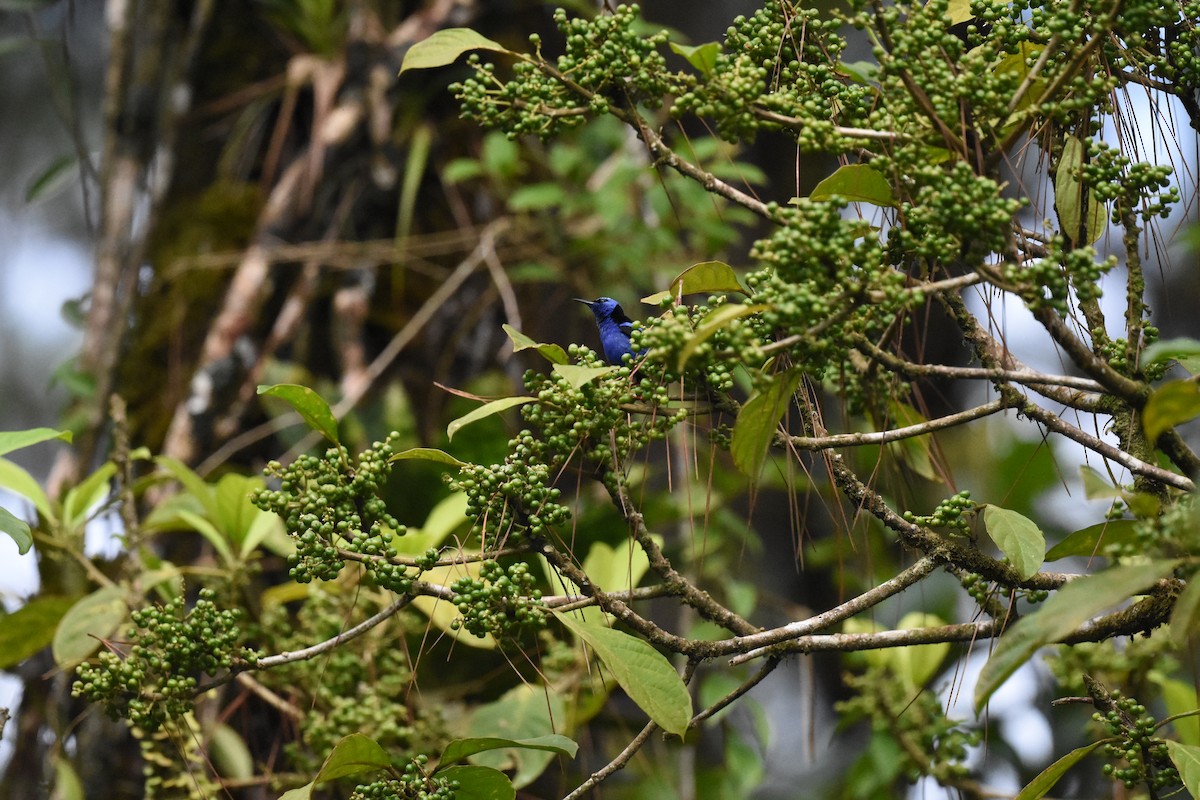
(1179, 698)
(701, 56)
(67, 785)
(30, 628)
(353, 755)
(1169, 405)
(1187, 760)
(229, 753)
(707, 277)
(644, 673)
(479, 783)
(308, 404)
(721, 317)
(1185, 351)
(89, 621)
(459, 749)
(444, 47)
(210, 533)
(958, 11)
(758, 419)
(858, 183)
(536, 197)
(427, 454)
(80, 500)
(1098, 487)
(524, 712)
(1185, 617)
(1018, 537)
(484, 411)
(1070, 607)
(915, 451)
(1044, 782)
(52, 179)
(18, 481)
(1017, 64)
(1069, 197)
(579, 376)
(16, 528)
(551, 352)
(15, 440)
(916, 664)
(865, 73)
(1086, 541)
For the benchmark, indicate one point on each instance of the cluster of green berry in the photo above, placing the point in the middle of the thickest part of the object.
(712, 349)
(328, 505)
(1133, 186)
(781, 61)
(954, 215)
(954, 512)
(1145, 756)
(1047, 282)
(414, 783)
(606, 62)
(502, 602)
(170, 647)
(889, 705)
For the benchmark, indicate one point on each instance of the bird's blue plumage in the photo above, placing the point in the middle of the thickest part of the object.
(614, 327)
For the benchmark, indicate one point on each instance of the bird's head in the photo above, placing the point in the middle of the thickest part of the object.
(604, 308)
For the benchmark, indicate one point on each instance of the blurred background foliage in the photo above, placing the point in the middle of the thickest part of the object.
(268, 203)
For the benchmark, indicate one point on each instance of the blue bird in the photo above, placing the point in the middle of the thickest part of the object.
(614, 327)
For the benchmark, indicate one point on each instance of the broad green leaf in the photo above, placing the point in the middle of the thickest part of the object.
(479, 783)
(484, 411)
(15, 440)
(353, 755)
(707, 277)
(918, 663)
(526, 711)
(229, 753)
(1018, 537)
(1070, 607)
(18, 481)
(1086, 542)
(67, 785)
(1185, 617)
(30, 628)
(308, 404)
(758, 419)
(861, 72)
(579, 376)
(427, 454)
(1017, 64)
(958, 11)
(701, 56)
(644, 673)
(196, 486)
(536, 197)
(210, 533)
(1187, 760)
(80, 500)
(266, 530)
(1179, 698)
(444, 47)
(1098, 487)
(551, 352)
(714, 321)
(52, 179)
(235, 512)
(1169, 405)
(16, 528)
(1044, 782)
(915, 451)
(1069, 197)
(89, 621)
(460, 749)
(858, 183)
(1185, 351)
